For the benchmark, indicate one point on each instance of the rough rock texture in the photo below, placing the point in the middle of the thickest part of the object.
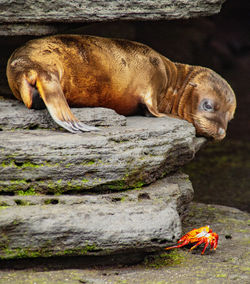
(114, 158)
(228, 264)
(30, 12)
(127, 153)
(142, 219)
(15, 115)
(89, 10)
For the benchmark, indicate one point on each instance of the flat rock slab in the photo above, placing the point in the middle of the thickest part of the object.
(102, 224)
(21, 17)
(97, 10)
(15, 115)
(114, 158)
(228, 264)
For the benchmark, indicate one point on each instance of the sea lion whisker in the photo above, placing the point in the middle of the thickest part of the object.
(192, 84)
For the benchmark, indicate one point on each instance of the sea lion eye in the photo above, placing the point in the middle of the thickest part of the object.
(207, 105)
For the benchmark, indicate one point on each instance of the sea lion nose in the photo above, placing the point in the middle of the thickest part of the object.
(221, 131)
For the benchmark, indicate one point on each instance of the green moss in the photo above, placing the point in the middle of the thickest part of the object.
(3, 203)
(51, 201)
(69, 165)
(4, 241)
(221, 275)
(18, 253)
(123, 185)
(123, 198)
(89, 163)
(30, 165)
(118, 185)
(60, 186)
(74, 186)
(55, 188)
(30, 191)
(172, 258)
(17, 164)
(4, 164)
(26, 164)
(245, 268)
(11, 253)
(12, 185)
(3, 207)
(89, 248)
(17, 182)
(22, 202)
(138, 184)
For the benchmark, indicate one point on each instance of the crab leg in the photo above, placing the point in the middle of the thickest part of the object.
(206, 245)
(178, 246)
(196, 245)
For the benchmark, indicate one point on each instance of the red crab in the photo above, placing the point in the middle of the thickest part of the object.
(201, 235)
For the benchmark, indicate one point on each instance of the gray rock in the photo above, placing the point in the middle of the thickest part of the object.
(42, 17)
(103, 224)
(14, 115)
(30, 11)
(228, 264)
(115, 158)
(125, 155)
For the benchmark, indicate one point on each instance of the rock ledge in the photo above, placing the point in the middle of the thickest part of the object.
(126, 194)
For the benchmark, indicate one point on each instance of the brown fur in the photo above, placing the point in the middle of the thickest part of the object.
(79, 71)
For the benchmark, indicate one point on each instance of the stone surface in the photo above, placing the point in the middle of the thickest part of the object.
(37, 159)
(228, 264)
(89, 10)
(114, 158)
(102, 224)
(15, 115)
(37, 15)
(125, 155)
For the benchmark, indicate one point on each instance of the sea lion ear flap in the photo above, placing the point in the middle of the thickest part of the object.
(192, 84)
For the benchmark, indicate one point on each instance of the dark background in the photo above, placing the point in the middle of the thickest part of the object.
(221, 171)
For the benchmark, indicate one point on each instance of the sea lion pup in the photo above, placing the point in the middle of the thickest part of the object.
(85, 71)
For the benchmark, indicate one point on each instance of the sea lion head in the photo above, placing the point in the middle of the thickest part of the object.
(215, 104)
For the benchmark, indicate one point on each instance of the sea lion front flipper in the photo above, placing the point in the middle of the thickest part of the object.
(151, 105)
(155, 112)
(54, 99)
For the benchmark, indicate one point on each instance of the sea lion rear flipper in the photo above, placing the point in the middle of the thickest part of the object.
(54, 99)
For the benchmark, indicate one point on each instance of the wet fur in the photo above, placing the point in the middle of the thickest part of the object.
(86, 71)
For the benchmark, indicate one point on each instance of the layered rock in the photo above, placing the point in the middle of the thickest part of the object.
(27, 17)
(137, 220)
(125, 194)
(115, 158)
